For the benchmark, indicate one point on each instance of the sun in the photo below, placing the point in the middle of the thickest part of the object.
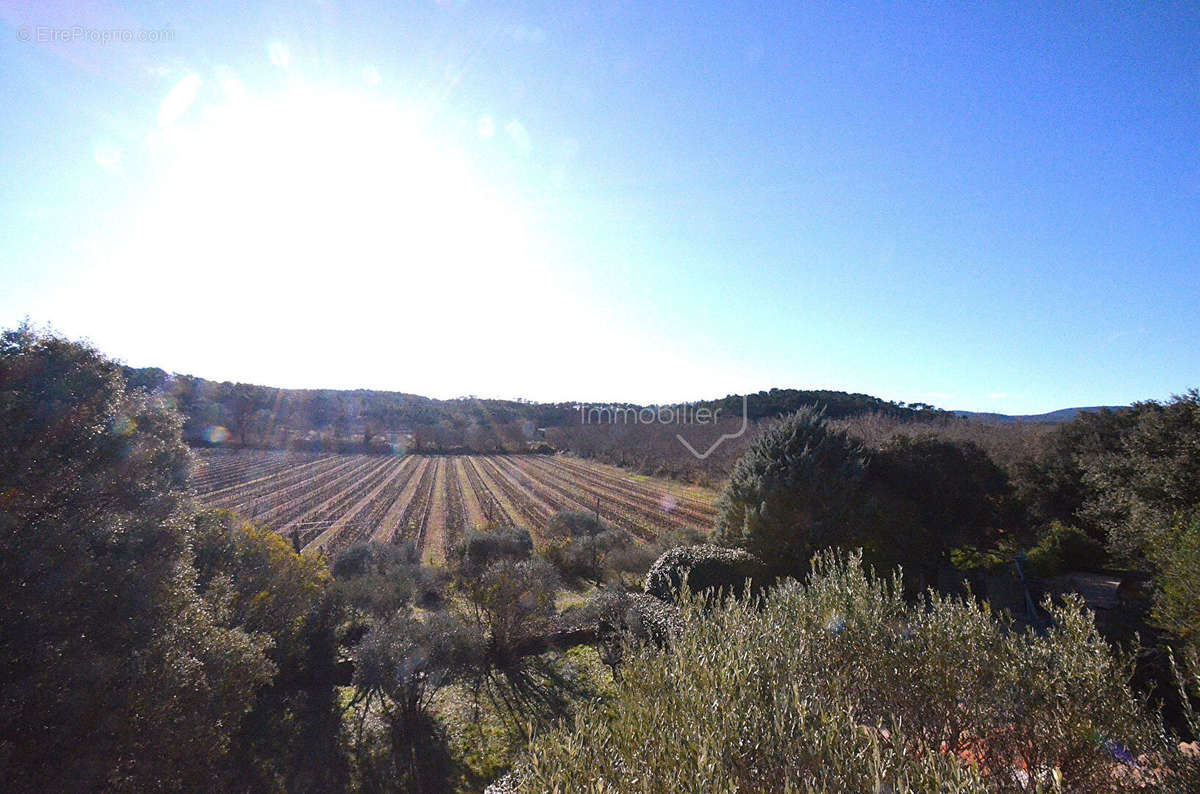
(319, 234)
(316, 189)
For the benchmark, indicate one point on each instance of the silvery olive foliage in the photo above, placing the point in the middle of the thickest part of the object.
(837, 684)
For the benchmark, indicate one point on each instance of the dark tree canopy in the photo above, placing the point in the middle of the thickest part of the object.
(1139, 485)
(117, 674)
(1051, 483)
(936, 495)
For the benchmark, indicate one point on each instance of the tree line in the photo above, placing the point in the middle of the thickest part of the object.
(249, 415)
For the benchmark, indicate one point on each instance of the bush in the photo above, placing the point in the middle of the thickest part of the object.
(576, 524)
(1177, 597)
(797, 489)
(1065, 548)
(703, 567)
(478, 550)
(580, 544)
(838, 685)
(381, 578)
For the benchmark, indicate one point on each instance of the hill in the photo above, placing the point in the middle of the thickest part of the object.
(1052, 417)
(241, 414)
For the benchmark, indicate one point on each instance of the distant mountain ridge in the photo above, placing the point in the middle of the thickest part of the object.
(1053, 417)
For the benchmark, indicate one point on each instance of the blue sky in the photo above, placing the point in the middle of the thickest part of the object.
(989, 207)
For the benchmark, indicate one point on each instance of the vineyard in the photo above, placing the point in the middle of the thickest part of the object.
(327, 502)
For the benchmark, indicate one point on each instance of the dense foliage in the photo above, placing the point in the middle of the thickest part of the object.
(1132, 480)
(290, 737)
(119, 673)
(838, 685)
(478, 550)
(935, 495)
(1065, 548)
(834, 404)
(798, 489)
(1148, 479)
(704, 567)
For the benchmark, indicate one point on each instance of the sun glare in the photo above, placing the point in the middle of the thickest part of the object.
(295, 185)
(326, 233)
(313, 204)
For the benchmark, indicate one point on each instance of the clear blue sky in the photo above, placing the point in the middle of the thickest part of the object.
(989, 207)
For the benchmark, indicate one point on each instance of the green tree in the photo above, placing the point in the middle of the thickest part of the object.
(1051, 484)
(798, 488)
(1149, 478)
(938, 495)
(247, 409)
(290, 740)
(117, 673)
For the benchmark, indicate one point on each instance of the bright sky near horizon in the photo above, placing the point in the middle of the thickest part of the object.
(991, 207)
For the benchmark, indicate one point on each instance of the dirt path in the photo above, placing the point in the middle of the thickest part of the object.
(433, 534)
(475, 517)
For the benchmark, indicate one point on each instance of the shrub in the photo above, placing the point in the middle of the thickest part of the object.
(576, 524)
(1065, 548)
(580, 544)
(703, 567)
(478, 550)
(381, 578)
(838, 685)
(1177, 605)
(291, 739)
(797, 489)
